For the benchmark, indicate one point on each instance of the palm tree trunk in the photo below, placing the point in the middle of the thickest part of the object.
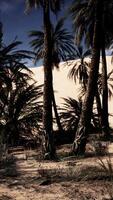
(84, 123)
(48, 144)
(105, 93)
(99, 108)
(56, 113)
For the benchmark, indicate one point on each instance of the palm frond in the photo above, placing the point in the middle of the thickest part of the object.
(62, 43)
(32, 3)
(70, 114)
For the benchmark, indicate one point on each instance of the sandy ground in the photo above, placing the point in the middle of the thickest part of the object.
(25, 177)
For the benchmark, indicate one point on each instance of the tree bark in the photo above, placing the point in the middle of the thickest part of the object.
(99, 108)
(105, 127)
(48, 142)
(56, 113)
(84, 123)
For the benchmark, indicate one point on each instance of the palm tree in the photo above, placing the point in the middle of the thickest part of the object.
(70, 114)
(19, 100)
(62, 46)
(12, 60)
(83, 126)
(81, 67)
(47, 6)
(109, 81)
(84, 23)
(80, 70)
(99, 93)
(21, 112)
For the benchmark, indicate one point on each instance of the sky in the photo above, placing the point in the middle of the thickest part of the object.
(17, 24)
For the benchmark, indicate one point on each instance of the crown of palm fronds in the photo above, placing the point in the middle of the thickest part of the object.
(62, 43)
(82, 90)
(70, 114)
(20, 106)
(83, 16)
(9, 54)
(20, 103)
(12, 64)
(21, 109)
(80, 68)
(54, 5)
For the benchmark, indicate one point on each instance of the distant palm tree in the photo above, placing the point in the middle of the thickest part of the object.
(62, 47)
(80, 67)
(70, 114)
(47, 6)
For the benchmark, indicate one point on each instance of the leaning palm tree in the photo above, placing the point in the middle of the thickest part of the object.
(84, 122)
(80, 71)
(47, 6)
(99, 93)
(84, 26)
(62, 47)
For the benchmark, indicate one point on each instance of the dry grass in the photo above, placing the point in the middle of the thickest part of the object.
(27, 178)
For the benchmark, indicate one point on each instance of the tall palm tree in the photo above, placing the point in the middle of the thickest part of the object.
(47, 6)
(83, 126)
(80, 70)
(62, 46)
(84, 23)
(99, 92)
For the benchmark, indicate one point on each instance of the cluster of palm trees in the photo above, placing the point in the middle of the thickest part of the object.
(53, 45)
(21, 108)
(92, 22)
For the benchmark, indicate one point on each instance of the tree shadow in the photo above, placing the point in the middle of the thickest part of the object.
(71, 173)
(5, 197)
(8, 170)
(8, 167)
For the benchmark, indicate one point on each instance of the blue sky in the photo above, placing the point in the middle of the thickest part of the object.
(17, 24)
